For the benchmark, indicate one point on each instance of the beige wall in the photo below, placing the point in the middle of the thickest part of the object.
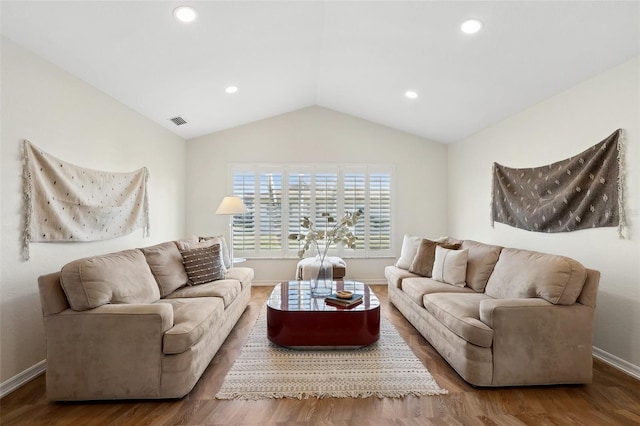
(79, 124)
(320, 135)
(557, 128)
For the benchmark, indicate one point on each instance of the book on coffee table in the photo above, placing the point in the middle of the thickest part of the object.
(333, 299)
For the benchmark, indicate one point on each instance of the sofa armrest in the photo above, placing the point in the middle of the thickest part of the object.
(535, 341)
(98, 353)
(147, 312)
(493, 310)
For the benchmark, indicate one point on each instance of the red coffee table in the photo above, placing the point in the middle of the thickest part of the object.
(295, 319)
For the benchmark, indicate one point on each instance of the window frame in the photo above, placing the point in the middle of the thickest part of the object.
(289, 249)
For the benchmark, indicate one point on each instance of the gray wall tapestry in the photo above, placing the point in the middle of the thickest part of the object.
(65, 202)
(583, 191)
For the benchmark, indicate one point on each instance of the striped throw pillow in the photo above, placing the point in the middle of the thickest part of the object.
(203, 265)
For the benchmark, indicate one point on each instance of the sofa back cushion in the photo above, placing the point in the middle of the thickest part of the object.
(525, 274)
(165, 262)
(481, 260)
(122, 277)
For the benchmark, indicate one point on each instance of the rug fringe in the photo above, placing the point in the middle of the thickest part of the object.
(301, 396)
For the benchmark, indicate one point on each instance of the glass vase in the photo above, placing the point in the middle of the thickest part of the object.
(321, 277)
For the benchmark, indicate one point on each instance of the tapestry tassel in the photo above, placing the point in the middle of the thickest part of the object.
(493, 183)
(621, 179)
(26, 189)
(146, 232)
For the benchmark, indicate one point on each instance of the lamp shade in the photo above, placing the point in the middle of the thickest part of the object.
(231, 205)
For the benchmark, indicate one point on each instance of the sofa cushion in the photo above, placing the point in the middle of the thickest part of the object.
(244, 275)
(227, 290)
(203, 265)
(166, 265)
(450, 266)
(122, 277)
(460, 313)
(395, 275)
(416, 288)
(192, 319)
(481, 260)
(525, 274)
(423, 262)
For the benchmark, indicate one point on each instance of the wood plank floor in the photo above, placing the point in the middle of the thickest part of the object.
(612, 399)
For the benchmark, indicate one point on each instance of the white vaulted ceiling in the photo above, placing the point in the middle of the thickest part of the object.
(355, 57)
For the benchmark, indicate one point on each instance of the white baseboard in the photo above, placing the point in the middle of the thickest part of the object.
(22, 378)
(619, 363)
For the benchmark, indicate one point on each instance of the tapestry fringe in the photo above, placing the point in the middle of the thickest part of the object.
(26, 189)
(621, 184)
(493, 174)
(146, 230)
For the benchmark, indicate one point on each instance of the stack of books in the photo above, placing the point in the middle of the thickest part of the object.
(342, 302)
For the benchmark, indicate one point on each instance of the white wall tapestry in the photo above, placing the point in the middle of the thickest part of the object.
(583, 191)
(65, 202)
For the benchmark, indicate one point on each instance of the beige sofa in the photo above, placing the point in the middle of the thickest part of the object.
(125, 326)
(520, 318)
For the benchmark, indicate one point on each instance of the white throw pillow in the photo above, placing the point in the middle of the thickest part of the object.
(408, 252)
(450, 266)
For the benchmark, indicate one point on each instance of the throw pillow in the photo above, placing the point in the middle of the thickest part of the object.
(423, 261)
(450, 266)
(203, 264)
(186, 245)
(410, 245)
(224, 249)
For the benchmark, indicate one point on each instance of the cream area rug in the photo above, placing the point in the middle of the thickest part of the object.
(387, 368)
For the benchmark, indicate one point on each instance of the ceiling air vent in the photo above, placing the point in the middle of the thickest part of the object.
(178, 121)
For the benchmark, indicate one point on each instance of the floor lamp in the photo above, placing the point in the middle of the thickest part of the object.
(231, 206)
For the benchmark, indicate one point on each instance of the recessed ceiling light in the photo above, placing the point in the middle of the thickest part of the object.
(411, 94)
(231, 89)
(471, 26)
(185, 14)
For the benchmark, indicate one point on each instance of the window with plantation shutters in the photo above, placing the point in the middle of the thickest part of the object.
(325, 198)
(270, 212)
(244, 226)
(299, 202)
(355, 198)
(379, 231)
(278, 197)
